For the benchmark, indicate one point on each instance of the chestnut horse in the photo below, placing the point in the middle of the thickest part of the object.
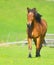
(36, 30)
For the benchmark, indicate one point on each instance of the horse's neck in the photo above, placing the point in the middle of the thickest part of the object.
(35, 23)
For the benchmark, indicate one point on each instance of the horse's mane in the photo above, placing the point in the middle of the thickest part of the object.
(38, 17)
(36, 14)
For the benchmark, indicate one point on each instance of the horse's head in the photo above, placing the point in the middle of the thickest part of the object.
(30, 16)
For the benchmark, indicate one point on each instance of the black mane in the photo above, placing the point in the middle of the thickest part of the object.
(38, 17)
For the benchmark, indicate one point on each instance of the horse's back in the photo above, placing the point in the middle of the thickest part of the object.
(44, 26)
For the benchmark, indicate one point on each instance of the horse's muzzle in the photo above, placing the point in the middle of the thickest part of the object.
(29, 26)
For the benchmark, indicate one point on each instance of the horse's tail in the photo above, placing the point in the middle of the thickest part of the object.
(44, 42)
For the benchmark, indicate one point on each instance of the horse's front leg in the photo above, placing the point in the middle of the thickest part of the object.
(38, 46)
(29, 46)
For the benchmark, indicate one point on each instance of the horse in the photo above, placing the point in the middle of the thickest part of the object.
(36, 30)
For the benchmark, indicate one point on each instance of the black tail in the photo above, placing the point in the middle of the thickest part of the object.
(44, 42)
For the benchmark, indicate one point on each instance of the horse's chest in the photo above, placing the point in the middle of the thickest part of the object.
(33, 33)
(36, 32)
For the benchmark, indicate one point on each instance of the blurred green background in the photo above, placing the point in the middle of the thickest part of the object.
(13, 17)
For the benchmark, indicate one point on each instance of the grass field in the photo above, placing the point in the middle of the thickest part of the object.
(18, 55)
(13, 17)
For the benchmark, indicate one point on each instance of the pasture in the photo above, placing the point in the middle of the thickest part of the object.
(13, 17)
(18, 55)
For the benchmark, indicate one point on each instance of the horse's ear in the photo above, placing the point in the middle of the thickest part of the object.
(28, 9)
(34, 9)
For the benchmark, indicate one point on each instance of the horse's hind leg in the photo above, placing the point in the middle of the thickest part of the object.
(38, 47)
(29, 46)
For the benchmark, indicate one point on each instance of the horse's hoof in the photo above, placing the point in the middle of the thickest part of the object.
(37, 55)
(30, 56)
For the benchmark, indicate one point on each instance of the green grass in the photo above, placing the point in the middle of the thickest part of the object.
(18, 55)
(13, 17)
